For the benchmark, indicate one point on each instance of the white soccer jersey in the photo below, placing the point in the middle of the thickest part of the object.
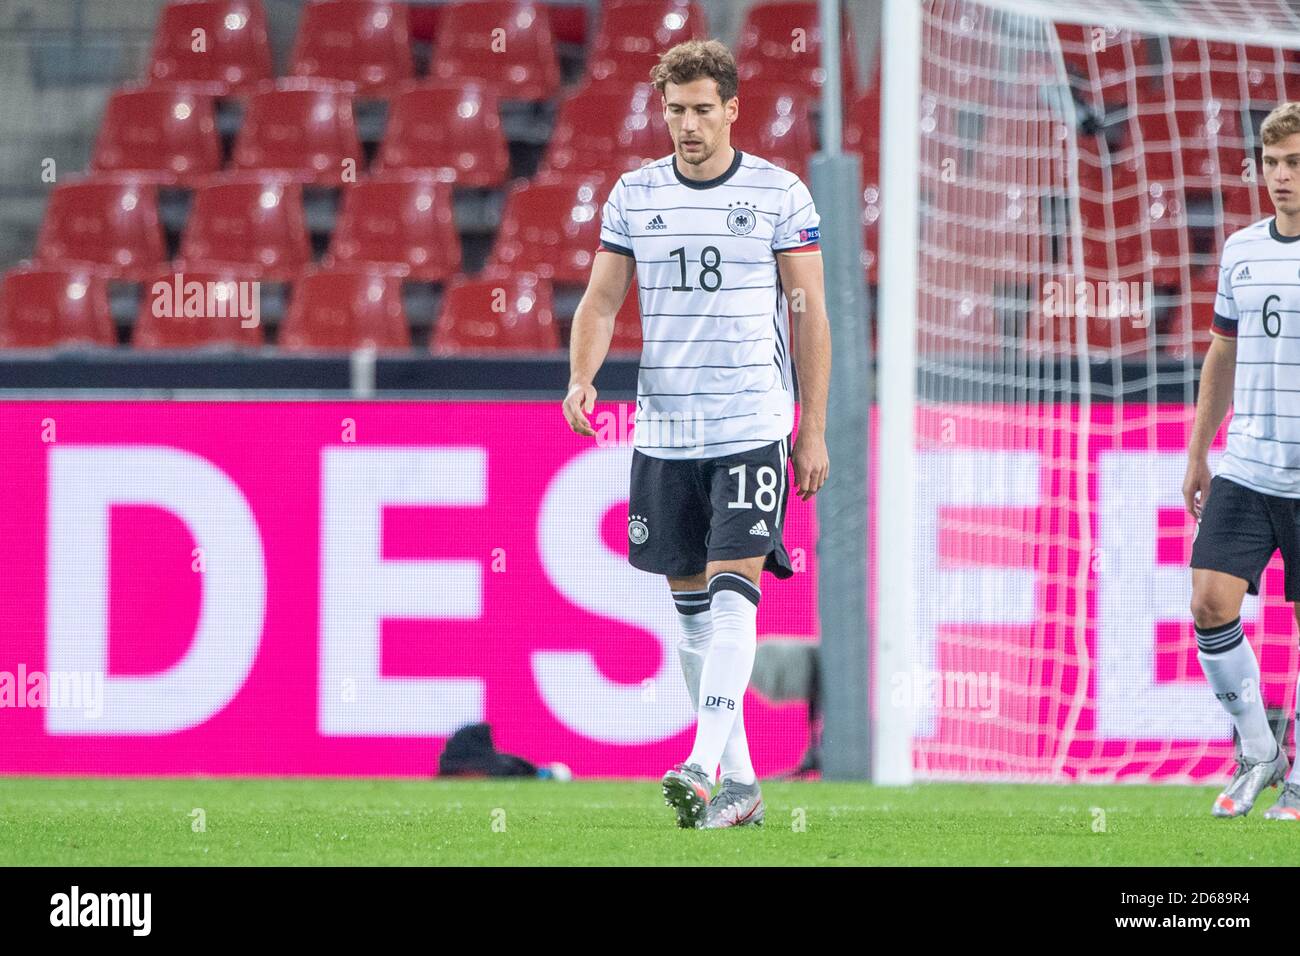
(715, 365)
(1258, 304)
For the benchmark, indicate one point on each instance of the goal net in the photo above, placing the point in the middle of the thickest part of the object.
(1077, 181)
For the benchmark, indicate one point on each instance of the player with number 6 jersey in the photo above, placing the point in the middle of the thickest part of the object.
(1251, 507)
(724, 248)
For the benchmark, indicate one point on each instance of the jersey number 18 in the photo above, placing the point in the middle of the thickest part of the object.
(710, 275)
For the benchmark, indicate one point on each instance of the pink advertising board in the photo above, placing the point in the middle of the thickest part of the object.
(304, 588)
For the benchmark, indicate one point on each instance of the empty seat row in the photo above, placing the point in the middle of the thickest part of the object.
(306, 129)
(222, 44)
(330, 310)
(404, 222)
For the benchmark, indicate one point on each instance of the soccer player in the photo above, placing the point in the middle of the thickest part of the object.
(1252, 506)
(717, 239)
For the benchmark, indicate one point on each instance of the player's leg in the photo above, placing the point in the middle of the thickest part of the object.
(750, 493)
(686, 788)
(1288, 803)
(1227, 658)
(1234, 542)
(748, 498)
(668, 521)
(735, 591)
(733, 600)
(695, 628)
(722, 682)
(691, 598)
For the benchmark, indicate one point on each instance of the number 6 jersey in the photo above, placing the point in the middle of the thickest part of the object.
(1258, 304)
(715, 375)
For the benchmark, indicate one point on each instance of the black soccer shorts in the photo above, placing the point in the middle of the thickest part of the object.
(1239, 530)
(683, 514)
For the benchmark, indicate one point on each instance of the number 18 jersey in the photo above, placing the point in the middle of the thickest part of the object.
(715, 376)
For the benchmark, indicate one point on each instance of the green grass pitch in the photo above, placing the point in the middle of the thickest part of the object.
(89, 822)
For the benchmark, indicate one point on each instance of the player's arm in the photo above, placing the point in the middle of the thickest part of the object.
(593, 328)
(1217, 375)
(802, 278)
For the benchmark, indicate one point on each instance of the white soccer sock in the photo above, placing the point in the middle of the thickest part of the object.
(736, 762)
(696, 625)
(1233, 672)
(696, 620)
(727, 666)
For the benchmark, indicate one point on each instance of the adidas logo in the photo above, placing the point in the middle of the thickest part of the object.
(657, 223)
(1243, 274)
(760, 528)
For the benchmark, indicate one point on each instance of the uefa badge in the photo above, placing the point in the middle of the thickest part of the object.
(741, 221)
(637, 532)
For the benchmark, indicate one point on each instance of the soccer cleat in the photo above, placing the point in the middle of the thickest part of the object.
(734, 805)
(1248, 783)
(1287, 806)
(687, 790)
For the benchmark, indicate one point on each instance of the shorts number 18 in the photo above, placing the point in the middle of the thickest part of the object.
(764, 496)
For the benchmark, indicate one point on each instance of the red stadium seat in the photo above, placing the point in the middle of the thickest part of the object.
(775, 123)
(766, 49)
(608, 128)
(256, 223)
(423, 19)
(634, 32)
(1206, 134)
(165, 134)
(568, 22)
(627, 323)
(1103, 55)
(1151, 148)
(346, 310)
(109, 222)
(520, 61)
(363, 43)
(172, 318)
(1229, 72)
(1118, 336)
(231, 55)
(452, 127)
(1194, 314)
(43, 308)
(1245, 203)
(304, 129)
(1164, 218)
(1114, 257)
(1219, 81)
(402, 221)
(472, 318)
(551, 226)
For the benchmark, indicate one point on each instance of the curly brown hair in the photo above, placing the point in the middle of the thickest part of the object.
(1280, 124)
(694, 60)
